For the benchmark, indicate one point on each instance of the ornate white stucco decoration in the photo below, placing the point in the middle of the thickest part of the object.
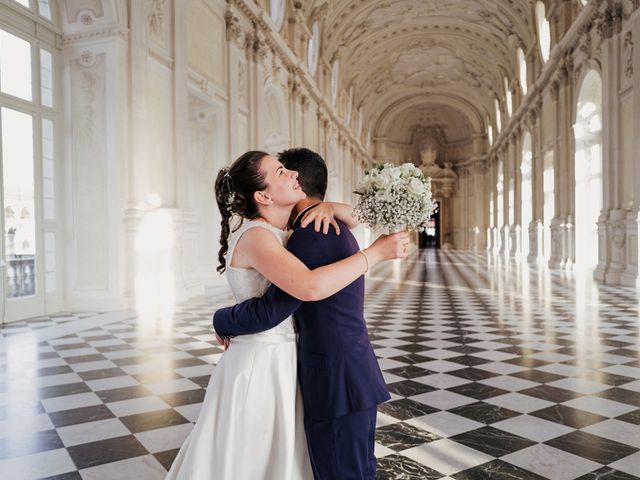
(86, 17)
(430, 66)
(156, 17)
(628, 54)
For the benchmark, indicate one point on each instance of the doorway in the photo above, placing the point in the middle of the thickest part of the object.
(430, 238)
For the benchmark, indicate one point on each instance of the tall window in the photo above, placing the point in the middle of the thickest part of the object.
(276, 12)
(544, 33)
(335, 72)
(548, 185)
(522, 66)
(313, 48)
(508, 96)
(27, 146)
(588, 169)
(498, 115)
(526, 193)
(500, 196)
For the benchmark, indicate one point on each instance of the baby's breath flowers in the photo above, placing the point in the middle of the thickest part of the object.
(393, 197)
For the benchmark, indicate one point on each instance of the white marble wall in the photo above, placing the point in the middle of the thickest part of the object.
(158, 96)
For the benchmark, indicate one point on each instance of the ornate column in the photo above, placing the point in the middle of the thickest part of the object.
(533, 230)
(555, 259)
(630, 277)
(612, 226)
(514, 227)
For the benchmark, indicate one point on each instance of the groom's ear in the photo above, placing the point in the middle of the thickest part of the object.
(262, 198)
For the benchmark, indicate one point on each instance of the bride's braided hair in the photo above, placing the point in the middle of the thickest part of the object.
(235, 186)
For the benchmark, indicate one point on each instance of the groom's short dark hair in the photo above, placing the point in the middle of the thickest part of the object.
(311, 168)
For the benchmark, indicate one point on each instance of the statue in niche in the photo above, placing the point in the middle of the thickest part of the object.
(428, 165)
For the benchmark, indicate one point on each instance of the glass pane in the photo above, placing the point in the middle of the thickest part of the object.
(46, 78)
(48, 187)
(15, 65)
(19, 202)
(44, 9)
(23, 2)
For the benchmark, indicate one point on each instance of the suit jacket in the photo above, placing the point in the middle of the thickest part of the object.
(337, 369)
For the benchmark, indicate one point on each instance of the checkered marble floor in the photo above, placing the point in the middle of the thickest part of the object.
(497, 370)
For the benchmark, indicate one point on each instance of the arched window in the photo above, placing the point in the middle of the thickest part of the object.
(498, 116)
(276, 12)
(522, 63)
(335, 72)
(588, 169)
(314, 45)
(508, 96)
(526, 193)
(544, 34)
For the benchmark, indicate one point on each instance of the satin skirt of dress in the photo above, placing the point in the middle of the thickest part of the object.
(251, 422)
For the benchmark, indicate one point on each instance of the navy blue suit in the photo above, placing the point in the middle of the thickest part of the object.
(339, 375)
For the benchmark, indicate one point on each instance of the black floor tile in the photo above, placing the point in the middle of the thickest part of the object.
(593, 447)
(400, 436)
(398, 467)
(142, 422)
(497, 470)
(492, 441)
(106, 451)
(80, 415)
(569, 416)
(484, 412)
(405, 409)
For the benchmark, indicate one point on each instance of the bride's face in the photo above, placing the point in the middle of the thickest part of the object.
(282, 184)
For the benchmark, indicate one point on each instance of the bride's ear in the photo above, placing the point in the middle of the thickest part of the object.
(262, 198)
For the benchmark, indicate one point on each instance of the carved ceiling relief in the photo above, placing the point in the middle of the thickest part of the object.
(75, 10)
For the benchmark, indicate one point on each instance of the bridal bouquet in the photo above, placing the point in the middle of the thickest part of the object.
(394, 197)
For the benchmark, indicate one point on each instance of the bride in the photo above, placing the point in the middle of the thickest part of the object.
(251, 422)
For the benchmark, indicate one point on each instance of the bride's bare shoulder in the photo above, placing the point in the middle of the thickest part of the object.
(253, 241)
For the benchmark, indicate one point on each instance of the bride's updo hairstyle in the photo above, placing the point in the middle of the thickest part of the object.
(235, 187)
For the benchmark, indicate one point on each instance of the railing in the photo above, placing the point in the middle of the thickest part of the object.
(21, 275)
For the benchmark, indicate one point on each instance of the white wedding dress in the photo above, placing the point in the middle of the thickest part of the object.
(251, 423)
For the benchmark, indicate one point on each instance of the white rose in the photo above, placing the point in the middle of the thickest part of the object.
(416, 187)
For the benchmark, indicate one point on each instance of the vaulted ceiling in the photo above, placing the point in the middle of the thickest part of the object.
(422, 59)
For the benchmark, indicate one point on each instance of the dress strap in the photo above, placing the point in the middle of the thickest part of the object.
(246, 225)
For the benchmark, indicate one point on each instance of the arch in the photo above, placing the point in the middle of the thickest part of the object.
(388, 115)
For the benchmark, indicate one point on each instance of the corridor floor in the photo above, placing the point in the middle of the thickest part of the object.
(497, 370)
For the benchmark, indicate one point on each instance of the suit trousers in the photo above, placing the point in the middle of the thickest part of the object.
(342, 448)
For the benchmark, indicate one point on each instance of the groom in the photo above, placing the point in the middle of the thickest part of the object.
(339, 376)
